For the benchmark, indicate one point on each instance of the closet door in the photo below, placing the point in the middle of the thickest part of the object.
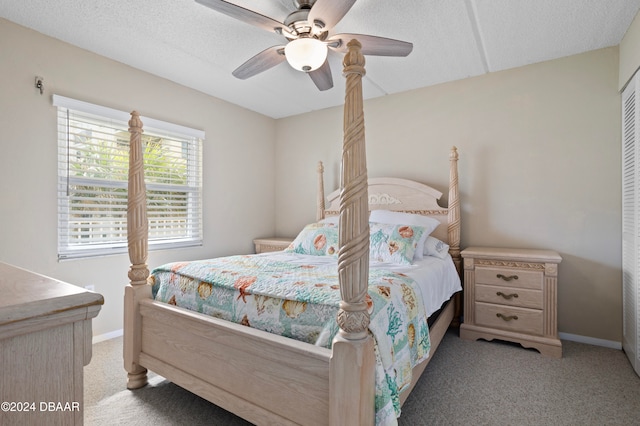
(630, 221)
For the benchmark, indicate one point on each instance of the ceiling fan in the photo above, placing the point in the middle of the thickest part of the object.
(307, 30)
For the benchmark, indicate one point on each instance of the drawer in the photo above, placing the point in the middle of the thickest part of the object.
(521, 320)
(509, 296)
(510, 277)
(264, 245)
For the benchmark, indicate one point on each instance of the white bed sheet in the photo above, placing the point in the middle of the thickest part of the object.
(437, 278)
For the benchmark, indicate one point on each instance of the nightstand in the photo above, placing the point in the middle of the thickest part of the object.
(511, 294)
(264, 245)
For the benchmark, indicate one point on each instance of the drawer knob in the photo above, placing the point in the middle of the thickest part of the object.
(507, 296)
(507, 278)
(507, 317)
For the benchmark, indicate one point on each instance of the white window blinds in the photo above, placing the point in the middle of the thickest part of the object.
(93, 163)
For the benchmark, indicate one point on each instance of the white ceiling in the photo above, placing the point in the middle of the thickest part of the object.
(197, 47)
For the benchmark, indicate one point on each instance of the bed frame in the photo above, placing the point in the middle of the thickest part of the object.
(265, 378)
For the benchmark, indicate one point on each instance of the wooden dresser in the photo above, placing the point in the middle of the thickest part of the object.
(511, 294)
(45, 341)
(264, 245)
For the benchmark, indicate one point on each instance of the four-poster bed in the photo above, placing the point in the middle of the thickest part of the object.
(267, 378)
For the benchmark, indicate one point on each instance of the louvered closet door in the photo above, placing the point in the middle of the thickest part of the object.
(630, 221)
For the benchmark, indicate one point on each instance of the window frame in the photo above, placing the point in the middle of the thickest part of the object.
(70, 247)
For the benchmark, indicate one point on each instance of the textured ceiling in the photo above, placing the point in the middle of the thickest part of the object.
(197, 47)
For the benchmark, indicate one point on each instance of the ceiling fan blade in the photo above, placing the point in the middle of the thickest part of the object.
(371, 45)
(246, 15)
(329, 12)
(264, 60)
(322, 77)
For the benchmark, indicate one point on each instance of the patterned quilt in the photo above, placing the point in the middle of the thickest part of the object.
(300, 300)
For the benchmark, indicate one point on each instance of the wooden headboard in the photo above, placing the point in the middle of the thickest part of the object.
(408, 196)
(400, 195)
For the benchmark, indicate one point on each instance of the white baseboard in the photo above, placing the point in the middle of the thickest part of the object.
(106, 336)
(590, 340)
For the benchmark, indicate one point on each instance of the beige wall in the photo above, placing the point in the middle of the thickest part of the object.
(539, 167)
(630, 52)
(29, 159)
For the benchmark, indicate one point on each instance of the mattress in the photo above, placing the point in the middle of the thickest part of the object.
(437, 278)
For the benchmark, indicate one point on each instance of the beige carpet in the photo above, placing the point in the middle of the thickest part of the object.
(467, 383)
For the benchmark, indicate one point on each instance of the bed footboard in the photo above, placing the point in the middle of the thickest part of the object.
(262, 377)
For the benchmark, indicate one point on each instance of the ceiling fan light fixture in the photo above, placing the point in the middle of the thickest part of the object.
(306, 53)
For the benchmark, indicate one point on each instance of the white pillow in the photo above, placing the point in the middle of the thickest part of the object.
(402, 218)
(331, 219)
(435, 247)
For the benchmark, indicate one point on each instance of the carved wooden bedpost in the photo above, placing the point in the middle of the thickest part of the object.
(320, 193)
(352, 376)
(454, 210)
(137, 237)
(454, 228)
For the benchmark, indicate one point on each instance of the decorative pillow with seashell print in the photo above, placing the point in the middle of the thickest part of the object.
(317, 239)
(403, 218)
(394, 243)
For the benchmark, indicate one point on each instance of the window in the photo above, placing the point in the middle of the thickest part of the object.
(93, 163)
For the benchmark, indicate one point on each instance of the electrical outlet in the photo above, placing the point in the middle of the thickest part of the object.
(90, 287)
